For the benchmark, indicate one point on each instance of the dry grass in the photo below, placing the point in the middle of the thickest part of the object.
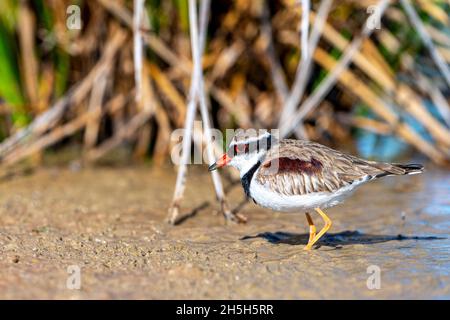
(126, 77)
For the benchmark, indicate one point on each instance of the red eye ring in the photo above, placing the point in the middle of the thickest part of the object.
(241, 148)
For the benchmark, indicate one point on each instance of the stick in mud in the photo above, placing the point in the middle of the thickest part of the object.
(197, 95)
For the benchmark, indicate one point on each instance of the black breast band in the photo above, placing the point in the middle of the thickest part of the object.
(247, 178)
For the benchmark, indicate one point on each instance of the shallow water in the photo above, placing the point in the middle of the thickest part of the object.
(109, 222)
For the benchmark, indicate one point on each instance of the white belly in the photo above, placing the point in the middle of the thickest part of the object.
(298, 203)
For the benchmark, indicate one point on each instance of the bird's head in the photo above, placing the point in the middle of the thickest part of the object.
(245, 150)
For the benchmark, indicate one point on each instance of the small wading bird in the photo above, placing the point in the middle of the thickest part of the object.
(297, 175)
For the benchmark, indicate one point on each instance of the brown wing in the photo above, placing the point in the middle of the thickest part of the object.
(297, 167)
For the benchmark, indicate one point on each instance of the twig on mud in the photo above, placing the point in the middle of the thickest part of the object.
(189, 122)
(196, 94)
(197, 57)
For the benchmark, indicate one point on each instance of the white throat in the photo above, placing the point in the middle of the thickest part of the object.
(245, 162)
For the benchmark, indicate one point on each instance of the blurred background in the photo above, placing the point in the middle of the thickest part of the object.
(69, 71)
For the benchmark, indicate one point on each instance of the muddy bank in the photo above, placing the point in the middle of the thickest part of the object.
(109, 222)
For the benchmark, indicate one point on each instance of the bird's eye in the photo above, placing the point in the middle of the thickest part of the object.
(241, 148)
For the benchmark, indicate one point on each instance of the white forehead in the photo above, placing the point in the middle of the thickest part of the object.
(248, 136)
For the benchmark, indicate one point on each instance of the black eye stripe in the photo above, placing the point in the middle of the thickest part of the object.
(268, 143)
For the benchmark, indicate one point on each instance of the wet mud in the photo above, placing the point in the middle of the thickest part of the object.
(109, 222)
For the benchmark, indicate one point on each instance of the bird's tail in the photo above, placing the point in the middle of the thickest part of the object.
(400, 169)
(411, 168)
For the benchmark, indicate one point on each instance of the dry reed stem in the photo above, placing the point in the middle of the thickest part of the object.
(162, 144)
(317, 96)
(142, 142)
(197, 94)
(77, 93)
(305, 53)
(142, 20)
(180, 184)
(401, 93)
(166, 54)
(276, 70)
(436, 96)
(428, 42)
(304, 68)
(161, 80)
(413, 104)
(208, 137)
(372, 125)
(226, 59)
(239, 96)
(137, 121)
(95, 106)
(369, 47)
(433, 10)
(169, 90)
(29, 62)
(224, 99)
(438, 36)
(388, 40)
(45, 89)
(65, 130)
(380, 75)
(128, 129)
(380, 108)
(117, 9)
(138, 48)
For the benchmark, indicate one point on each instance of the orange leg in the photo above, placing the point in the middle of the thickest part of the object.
(326, 227)
(312, 227)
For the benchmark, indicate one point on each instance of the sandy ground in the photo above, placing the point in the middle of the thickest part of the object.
(109, 222)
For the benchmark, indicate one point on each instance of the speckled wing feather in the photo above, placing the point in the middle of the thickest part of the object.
(298, 167)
